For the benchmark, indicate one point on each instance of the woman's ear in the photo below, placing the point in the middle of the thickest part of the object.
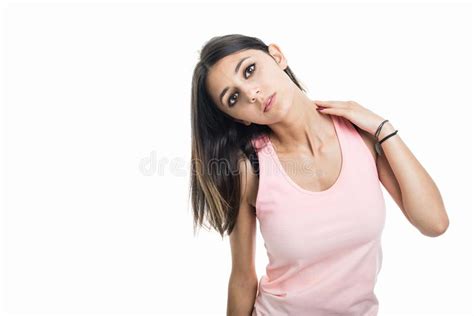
(277, 54)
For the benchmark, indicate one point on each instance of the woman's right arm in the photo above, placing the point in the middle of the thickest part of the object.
(243, 280)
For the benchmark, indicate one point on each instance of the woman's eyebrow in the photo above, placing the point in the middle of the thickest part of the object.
(235, 71)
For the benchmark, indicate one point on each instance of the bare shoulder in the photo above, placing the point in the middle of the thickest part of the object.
(248, 181)
(369, 140)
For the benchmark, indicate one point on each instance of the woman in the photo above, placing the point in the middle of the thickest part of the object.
(321, 216)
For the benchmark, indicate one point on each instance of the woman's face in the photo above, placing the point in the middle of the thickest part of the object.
(242, 92)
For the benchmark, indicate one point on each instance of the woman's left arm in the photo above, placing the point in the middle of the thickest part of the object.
(421, 199)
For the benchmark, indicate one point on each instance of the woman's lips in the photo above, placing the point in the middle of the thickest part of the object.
(272, 101)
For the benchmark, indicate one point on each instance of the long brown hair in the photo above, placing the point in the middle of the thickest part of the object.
(218, 142)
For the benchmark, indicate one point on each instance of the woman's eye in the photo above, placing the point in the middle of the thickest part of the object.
(250, 67)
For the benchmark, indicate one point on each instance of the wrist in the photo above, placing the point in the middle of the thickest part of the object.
(387, 129)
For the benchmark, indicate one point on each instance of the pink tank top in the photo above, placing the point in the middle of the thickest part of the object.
(324, 248)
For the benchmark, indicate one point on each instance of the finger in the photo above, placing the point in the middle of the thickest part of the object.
(333, 111)
(328, 103)
(321, 102)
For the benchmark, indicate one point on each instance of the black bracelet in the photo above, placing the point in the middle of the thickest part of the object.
(377, 132)
(378, 145)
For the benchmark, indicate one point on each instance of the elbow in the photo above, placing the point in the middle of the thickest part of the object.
(242, 292)
(243, 280)
(438, 224)
(443, 228)
(437, 230)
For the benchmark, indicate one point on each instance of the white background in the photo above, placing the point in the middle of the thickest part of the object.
(95, 149)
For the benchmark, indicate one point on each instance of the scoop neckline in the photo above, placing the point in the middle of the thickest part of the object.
(338, 181)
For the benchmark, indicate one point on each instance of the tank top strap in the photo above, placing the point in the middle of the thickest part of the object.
(357, 149)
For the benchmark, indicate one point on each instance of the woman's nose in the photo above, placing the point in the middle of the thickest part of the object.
(254, 95)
